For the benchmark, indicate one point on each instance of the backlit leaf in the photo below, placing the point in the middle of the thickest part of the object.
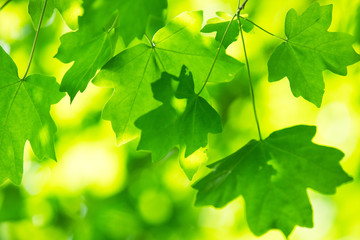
(132, 71)
(272, 175)
(309, 50)
(220, 24)
(24, 115)
(93, 44)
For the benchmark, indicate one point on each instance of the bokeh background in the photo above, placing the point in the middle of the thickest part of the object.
(97, 190)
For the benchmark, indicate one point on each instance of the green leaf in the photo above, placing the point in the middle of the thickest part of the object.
(220, 24)
(93, 44)
(198, 119)
(65, 7)
(357, 27)
(165, 128)
(24, 108)
(90, 48)
(12, 207)
(134, 16)
(132, 71)
(309, 50)
(272, 175)
(89, 53)
(159, 127)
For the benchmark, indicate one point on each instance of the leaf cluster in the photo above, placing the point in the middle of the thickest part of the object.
(160, 95)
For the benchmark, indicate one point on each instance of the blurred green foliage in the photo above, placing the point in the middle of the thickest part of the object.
(99, 191)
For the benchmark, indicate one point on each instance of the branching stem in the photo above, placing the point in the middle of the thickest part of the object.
(217, 54)
(149, 40)
(35, 40)
(113, 24)
(4, 5)
(242, 5)
(248, 71)
(264, 30)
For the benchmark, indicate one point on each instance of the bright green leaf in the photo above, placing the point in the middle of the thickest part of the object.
(132, 71)
(93, 44)
(309, 50)
(90, 48)
(220, 24)
(65, 7)
(272, 176)
(24, 108)
(191, 164)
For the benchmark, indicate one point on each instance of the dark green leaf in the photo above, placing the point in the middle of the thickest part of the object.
(12, 207)
(164, 128)
(198, 119)
(220, 24)
(309, 50)
(272, 176)
(24, 115)
(159, 127)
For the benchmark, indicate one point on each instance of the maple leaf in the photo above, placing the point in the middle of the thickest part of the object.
(198, 119)
(63, 6)
(159, 131)
(93, 44)
(165, 128)
(309, 50)
(272, 175)
(220, 24)
(132, 71)
(24, 108)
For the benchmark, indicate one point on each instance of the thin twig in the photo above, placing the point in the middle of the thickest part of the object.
(4, 5)
(249, 75)
(149, 40)
(242, 5)
(35, 40)
(264, 30)
(113, 24)
(217, 55)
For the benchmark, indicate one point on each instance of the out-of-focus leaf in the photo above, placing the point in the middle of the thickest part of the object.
(12, 207)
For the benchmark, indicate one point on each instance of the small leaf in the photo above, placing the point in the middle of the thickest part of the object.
(24, 108)
(272, 175)
(309, 50)
(220, 24)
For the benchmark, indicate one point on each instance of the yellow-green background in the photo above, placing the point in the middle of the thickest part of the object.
(99, 191)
